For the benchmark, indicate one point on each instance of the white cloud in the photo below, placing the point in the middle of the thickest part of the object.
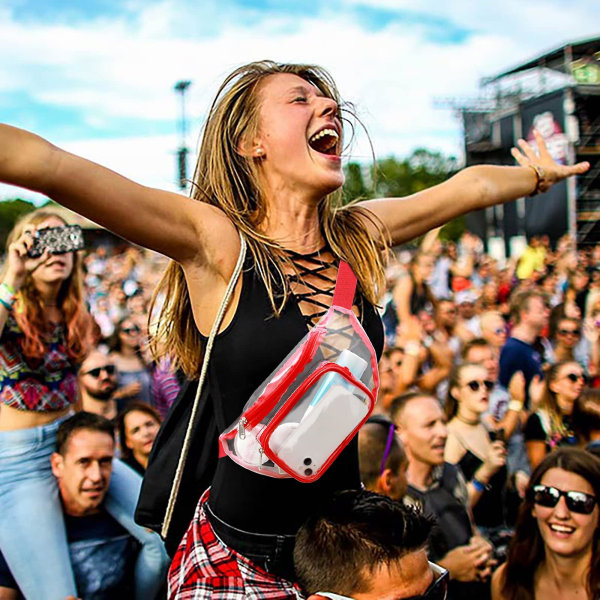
(111, 69)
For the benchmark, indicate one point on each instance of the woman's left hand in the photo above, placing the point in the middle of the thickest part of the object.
(551, 172)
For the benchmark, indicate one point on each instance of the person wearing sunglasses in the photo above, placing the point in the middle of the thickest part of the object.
(493, 330)
(381, 458)
(45, 333)
(470, 445)
(134, 373)
(97, 385)
(550, 426)
(566, 338)
(363, 546)
(555, 552)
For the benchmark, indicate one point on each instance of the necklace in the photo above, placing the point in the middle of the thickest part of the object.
(466, 421)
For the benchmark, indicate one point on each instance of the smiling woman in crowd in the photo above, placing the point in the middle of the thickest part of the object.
(555, 552)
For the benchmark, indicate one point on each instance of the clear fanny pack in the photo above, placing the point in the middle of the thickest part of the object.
(305, 413)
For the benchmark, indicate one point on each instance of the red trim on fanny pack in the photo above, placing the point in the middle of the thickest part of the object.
(345, 286)
(322, 369)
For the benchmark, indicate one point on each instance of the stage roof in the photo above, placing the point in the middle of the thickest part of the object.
(558, 59)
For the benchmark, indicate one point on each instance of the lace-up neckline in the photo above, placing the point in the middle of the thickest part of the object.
(312, 282)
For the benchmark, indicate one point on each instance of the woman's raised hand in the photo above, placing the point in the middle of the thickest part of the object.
(551, 172)
(19, 263)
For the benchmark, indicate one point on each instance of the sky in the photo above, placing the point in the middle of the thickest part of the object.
(97, 77)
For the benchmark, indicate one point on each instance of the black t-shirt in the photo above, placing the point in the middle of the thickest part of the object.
(535, 431)
(102, 558)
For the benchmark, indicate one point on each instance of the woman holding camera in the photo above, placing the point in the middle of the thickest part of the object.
(45, 332)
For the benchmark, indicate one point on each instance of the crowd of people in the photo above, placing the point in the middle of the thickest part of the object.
(479, 458)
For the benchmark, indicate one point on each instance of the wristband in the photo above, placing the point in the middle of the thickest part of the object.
(7, 297)
(540, 175)
(479, 485)
(8, 307)
(515, 405)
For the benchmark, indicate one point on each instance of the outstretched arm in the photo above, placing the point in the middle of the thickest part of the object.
(166, 222)
(471, 189)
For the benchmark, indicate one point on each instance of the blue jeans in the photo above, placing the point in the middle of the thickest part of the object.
(32, 531)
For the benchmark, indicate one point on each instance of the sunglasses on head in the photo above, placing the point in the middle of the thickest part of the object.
(476, 385)
(438, 590)
(110, 370)
(569, 331)
(574, 377)
(577, 502)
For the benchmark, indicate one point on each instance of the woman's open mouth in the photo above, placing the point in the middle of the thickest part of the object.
(325, 141)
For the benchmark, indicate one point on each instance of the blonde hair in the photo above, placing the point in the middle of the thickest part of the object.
(227, 179)
(29, 308)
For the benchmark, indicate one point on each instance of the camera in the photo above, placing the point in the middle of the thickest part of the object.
(57, 240)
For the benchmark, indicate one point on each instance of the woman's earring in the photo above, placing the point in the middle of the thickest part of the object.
(259, 152)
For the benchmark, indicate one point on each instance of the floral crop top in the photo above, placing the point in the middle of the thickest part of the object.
(42, 385)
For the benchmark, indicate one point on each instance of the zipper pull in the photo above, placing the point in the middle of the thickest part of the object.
(260, 458)
(242, 428)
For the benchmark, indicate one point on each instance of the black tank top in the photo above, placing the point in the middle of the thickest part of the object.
(489, 510)
(243, 356)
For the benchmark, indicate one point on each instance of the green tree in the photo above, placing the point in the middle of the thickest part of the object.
(10, 211)
(393, 177)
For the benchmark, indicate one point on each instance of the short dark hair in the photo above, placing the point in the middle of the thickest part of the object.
(474, 343)
(357, 531)
(372, 443)
(79, 421)
(399, 402)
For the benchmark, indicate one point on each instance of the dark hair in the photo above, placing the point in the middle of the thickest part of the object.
(451, 404)
(474, 343)
(357, 531)
(133, 407)
(527, 551)
(399, 402)
(114, 341)
(586, 414)
(80, 421)
(372, 443)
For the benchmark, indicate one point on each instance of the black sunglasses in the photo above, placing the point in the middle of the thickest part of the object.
(569, 331)
(577, 502)
(95, 373)
(475, 385)
(132, 329)
(574, 377)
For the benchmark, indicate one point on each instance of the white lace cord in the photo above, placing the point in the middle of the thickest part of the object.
(188, 434)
